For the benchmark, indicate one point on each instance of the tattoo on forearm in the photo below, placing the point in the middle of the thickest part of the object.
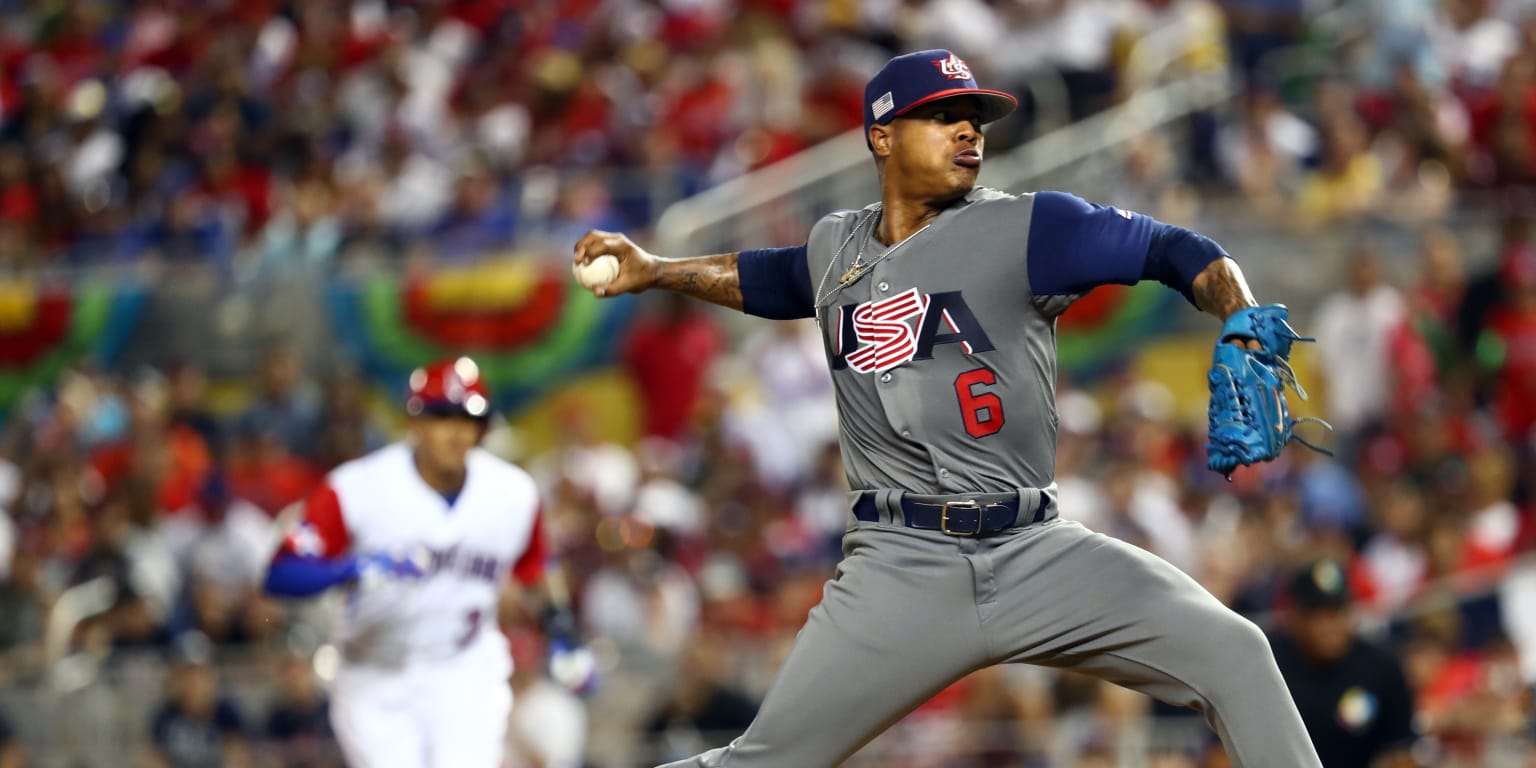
(711, 278)
(1221, 290)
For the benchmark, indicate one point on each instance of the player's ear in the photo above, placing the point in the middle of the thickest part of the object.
(880, 140)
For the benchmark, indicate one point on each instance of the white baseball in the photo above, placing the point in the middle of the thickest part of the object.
(597, 272)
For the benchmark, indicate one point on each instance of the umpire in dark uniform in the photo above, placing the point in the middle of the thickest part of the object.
(1352, 694)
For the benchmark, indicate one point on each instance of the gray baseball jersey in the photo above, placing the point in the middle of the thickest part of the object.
(944, 361)
(930, 402)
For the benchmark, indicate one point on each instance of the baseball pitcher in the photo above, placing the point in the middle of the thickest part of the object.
(423, 535)
(938, 307)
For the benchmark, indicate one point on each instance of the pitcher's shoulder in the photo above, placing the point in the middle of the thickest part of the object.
(985, 204)
(832, 229)
(843, 220)
(988, 195)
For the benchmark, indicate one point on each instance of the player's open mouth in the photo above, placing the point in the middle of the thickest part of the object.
(969, 158)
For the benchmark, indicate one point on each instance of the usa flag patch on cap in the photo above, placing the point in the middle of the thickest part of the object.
(883, 105)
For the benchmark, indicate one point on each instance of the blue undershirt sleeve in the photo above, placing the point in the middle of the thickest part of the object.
(1075, 246)
(299, 576)
(775, 283)
(1176, 256)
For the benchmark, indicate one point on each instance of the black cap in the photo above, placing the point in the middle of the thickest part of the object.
(1319, 584)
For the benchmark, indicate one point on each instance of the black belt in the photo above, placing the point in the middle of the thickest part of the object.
(959, 517)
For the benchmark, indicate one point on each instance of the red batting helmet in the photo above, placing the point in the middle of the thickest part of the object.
(449, 388)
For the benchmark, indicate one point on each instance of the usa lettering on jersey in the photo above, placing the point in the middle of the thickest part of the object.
(880, 335)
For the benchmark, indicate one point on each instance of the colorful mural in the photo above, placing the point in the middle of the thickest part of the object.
(1110, 325)
(526, 322)
(45, 329)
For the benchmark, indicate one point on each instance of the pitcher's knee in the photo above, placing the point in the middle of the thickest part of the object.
(1226, 650)
(715, 758)
(1242, 632)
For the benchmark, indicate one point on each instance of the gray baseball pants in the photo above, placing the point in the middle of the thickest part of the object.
(909, 612)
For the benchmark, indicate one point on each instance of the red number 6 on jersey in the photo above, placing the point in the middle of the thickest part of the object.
(983, 411)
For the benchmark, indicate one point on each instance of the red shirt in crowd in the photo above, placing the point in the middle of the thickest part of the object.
(668, 359)
(272, 483)
(186, 465)
(1516, 385)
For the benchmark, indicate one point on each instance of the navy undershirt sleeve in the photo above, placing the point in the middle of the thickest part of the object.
(1177, 255)
(775, 283)
(1075, 246)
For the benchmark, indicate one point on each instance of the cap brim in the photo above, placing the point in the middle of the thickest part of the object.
(441, 409)
(995, 105)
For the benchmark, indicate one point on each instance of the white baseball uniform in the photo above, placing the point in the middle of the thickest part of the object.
(424, 675)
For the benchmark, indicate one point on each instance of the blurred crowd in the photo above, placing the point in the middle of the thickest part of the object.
(259, 137)
(264, 136)
(1426, 102)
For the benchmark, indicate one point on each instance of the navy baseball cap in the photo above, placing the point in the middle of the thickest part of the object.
(913, 79)
(1319, 584)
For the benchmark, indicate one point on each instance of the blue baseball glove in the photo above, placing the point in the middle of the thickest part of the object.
(1250, 421)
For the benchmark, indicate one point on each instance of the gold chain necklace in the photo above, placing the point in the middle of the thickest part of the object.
(857, 269)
